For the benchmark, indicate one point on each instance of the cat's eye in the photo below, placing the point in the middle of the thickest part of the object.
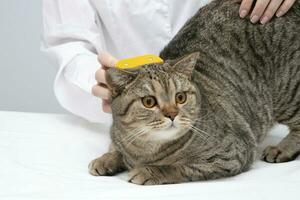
(180, 97)
(149, 101)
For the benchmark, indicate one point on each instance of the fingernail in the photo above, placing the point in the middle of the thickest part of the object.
(254, 19)
(264, 20)
(279, 14)
(243, 13)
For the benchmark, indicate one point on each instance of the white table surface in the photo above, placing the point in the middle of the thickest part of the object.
(45, 156)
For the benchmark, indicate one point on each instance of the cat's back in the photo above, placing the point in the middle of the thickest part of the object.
(218, 29)
(235, 47)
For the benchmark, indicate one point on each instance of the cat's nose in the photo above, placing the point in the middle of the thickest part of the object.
(170, 111)
(171, 115)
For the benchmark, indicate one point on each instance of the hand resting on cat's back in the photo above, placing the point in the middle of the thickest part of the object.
(202, 113)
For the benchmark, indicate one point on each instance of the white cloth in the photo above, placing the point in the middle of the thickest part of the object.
(45, 156)
(76, 31)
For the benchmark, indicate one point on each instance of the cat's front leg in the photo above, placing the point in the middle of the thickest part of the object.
(108, 164)
(156, 175)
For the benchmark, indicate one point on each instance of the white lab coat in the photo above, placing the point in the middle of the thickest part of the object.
(76, 31)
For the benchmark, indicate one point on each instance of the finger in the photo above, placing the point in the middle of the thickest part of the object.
(287, 4)
(106, 106)
(101, 92)
(270, 11)
(100, 76)
(107, 60)
(245, 8)
(258, 10)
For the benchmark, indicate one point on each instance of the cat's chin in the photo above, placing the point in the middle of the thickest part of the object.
(165, 135)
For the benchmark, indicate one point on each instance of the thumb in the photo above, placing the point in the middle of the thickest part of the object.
(106, 106)
(107, 60)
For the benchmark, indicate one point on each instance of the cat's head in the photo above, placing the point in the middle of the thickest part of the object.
(156, 102)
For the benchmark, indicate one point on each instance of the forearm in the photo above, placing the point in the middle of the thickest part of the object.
(152, 175)
(81, 71)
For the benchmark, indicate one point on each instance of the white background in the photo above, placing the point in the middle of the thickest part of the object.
(26, 75)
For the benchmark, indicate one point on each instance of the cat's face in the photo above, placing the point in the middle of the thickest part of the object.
(156, 102)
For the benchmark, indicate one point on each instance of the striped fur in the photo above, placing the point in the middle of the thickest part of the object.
(243, 80)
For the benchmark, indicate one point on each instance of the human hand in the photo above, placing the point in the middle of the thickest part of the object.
(101, 90)
(264, 10)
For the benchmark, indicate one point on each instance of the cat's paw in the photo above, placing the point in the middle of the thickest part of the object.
(274, 154)
(144, 176)
(107, 165)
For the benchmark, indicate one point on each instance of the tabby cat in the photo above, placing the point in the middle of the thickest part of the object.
(202, 113)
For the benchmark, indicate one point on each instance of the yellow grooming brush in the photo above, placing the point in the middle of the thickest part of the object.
(138, 61)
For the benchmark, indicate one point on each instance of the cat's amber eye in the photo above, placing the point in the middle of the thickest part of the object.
(149, 101)
(180, 97)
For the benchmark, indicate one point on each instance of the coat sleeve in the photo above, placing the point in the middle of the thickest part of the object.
(72, 38)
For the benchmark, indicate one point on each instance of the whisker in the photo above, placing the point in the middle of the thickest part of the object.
(198, 129)
(135, 137)
(128, 137)
(203, 136)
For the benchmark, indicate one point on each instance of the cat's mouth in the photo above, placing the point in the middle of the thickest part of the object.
(170, 126)
(168, 132)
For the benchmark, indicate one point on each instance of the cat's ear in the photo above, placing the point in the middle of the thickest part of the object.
(186, 64)
(118, 79)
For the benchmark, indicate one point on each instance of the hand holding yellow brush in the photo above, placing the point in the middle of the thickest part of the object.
(106, 60)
